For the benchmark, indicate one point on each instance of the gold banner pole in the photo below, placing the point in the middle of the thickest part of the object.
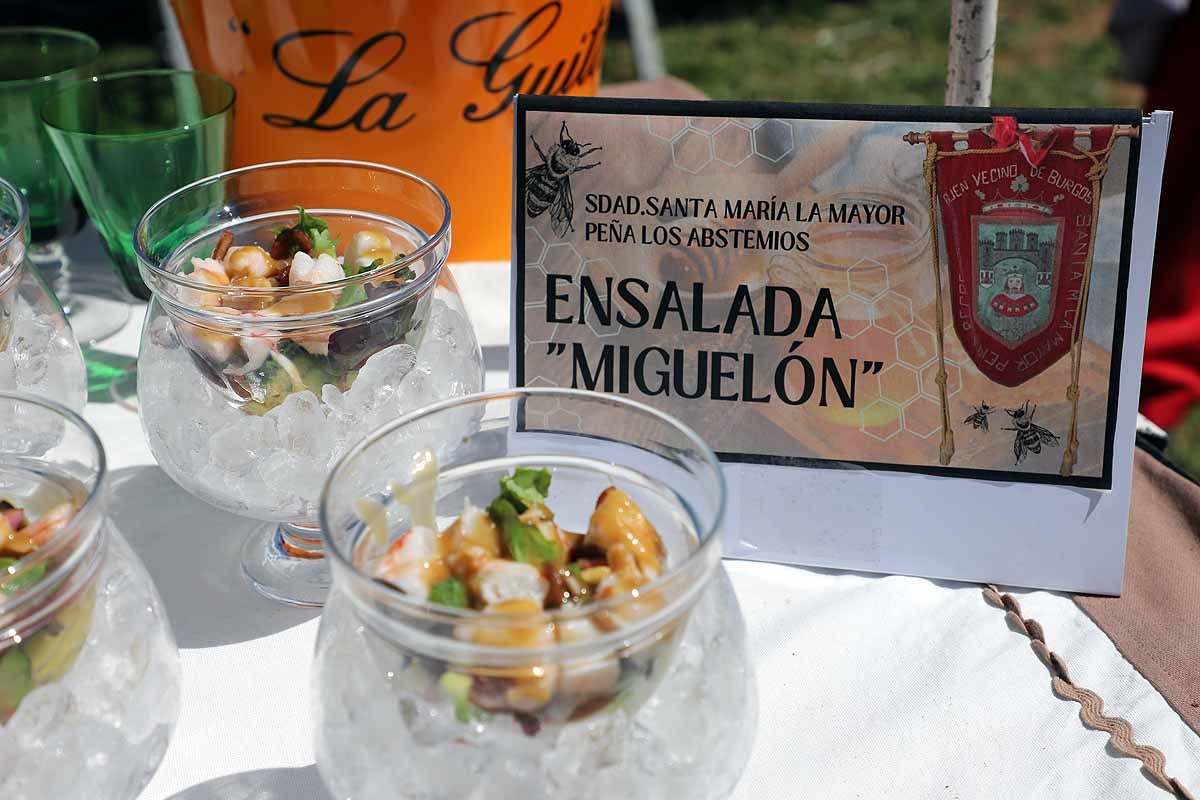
(947, 449)
(1121, 131)
(1096, 175)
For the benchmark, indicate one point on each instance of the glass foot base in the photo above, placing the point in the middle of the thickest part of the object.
(96, 306)
(123, 390)
(286, 563)
(94, 317)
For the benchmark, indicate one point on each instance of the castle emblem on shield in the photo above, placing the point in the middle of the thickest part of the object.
(1015, 270)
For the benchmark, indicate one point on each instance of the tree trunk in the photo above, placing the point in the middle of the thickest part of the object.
(972, 47)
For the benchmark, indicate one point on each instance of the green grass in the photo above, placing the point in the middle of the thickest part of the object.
(1184, 446)
(1052, 52)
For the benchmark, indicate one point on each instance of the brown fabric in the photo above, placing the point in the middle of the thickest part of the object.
(1091, 707)
(1155, 623)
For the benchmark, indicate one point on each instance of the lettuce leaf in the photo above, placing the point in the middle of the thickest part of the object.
(524, 542)
(526, 487)
(449, 592)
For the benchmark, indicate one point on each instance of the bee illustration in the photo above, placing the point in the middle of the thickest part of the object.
(979, 418)
(1029, 436)
(548, 185)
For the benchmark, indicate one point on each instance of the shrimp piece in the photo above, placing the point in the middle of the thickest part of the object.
(473, 540)
(532, 687)
(618, 520)
(316, 342)
(315, 303)
(253, 302)
(205, 270)
(500, 581)
(626, 577)
(250, 261)
(475, 528)
(218, 348)
(594, 676)
(38, 532)
(309, 271)
(15, 517)
(367, 247)
(414, 562)
(257, 349)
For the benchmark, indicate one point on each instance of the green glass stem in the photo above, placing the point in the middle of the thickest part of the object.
(130, 138)
(54, 265)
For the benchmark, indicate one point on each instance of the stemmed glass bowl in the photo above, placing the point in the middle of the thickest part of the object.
(647, 694)
(89, 672)
(248, 395)
(38, 351)
(34, 63)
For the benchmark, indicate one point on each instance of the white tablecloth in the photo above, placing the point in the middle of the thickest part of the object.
(869, 687)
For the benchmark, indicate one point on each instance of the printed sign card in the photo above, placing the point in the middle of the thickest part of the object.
(912, 334)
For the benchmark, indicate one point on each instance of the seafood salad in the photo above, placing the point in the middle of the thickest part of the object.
(44, 653)
(256, 355)
(515, 558)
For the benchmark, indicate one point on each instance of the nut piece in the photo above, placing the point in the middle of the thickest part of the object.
(290, 241)
(224, 242)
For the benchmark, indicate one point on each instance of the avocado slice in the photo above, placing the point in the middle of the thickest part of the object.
(271, 385)
(53, 649)
(268, 387)
(16, 680)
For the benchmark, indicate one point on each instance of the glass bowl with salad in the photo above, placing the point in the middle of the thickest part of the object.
(528, 601)
(296, 307)
(89, 671)
(38, 351)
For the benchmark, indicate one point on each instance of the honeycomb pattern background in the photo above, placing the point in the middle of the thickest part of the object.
(541, 258)
(904, 395)
(549, 413)
(697, 142)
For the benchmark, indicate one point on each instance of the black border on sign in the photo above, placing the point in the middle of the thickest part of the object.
(866, 113)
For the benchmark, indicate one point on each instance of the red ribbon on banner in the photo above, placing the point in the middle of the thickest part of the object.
(1034, 146)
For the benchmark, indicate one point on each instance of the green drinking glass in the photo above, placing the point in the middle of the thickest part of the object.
(35, 63)
(130, 138)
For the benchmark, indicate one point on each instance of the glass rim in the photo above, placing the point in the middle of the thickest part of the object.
(707, 540)
(22, 222)
(133, 74)
(62, 33)
(409, 289)
(93, 499)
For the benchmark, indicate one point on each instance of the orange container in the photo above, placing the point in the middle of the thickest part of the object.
(425, 85)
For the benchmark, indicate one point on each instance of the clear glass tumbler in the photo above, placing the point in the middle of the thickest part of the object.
(650, 693)
(89, 672)
(249, 394)
(38, 351)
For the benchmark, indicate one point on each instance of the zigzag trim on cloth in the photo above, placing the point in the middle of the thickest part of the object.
(1091, 711)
